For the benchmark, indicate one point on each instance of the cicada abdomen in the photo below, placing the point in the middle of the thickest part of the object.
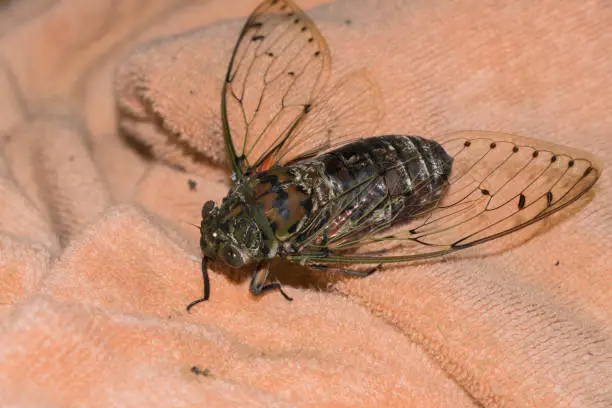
(372, 184)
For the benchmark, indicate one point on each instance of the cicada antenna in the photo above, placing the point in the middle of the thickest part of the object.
(193, 225)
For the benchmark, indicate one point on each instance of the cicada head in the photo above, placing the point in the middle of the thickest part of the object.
(230, 234)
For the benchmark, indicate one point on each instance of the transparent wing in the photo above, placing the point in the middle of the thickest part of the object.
(352, 109)
(499, 183)
(278, 67)
(275, 109)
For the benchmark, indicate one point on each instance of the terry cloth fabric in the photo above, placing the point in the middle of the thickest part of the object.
(110, 144)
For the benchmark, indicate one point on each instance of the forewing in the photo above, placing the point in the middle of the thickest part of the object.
(499, 183)
(280, 64)
(350, 110)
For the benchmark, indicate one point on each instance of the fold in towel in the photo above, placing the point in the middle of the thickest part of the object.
(111, 141)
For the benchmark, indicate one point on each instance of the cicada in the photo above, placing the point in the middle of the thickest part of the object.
(307, 190)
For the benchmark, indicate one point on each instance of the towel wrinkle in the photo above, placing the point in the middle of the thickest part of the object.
(111, 141)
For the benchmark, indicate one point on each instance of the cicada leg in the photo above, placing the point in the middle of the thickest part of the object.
(346, 271)
(206, 285)
(258, 283)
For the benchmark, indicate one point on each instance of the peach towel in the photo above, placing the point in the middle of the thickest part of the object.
(98, 261)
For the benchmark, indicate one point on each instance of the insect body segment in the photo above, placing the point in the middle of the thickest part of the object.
(304, 190)
(285, 202)
(339, 196)
(380, 182)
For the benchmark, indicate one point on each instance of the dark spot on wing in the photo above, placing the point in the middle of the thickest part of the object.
(521, 203)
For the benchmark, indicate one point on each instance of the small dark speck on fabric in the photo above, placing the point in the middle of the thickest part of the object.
(192, 184)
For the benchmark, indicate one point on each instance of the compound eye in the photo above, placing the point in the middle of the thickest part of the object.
(207, 208)
(231, 256)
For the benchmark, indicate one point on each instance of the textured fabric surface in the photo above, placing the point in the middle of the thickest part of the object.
(110, 143)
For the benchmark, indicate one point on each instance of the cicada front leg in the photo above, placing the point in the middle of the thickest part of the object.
(258, 283)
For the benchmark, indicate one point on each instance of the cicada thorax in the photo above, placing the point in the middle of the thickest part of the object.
(285, 199)
(369, 184)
